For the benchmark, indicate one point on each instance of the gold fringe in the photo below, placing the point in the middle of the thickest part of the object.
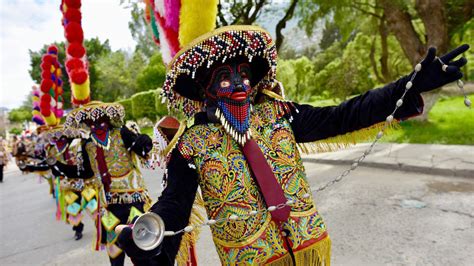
(189, 239)
(317, 254)
(347, 140)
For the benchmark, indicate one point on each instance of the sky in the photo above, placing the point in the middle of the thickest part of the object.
(29, 24)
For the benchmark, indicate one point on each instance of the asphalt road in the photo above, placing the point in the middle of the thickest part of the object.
(374, 217)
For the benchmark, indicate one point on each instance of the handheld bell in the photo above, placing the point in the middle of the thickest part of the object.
(148, 231)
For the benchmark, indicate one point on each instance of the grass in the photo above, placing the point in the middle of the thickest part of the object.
(450, 122)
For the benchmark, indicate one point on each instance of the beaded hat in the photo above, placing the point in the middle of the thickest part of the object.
(251, 43)
(48, 133)
(93, 111)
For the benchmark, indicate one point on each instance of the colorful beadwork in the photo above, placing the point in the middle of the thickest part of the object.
(94, 111)
(218, 45)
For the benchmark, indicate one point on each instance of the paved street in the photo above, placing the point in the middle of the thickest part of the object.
(374, 216)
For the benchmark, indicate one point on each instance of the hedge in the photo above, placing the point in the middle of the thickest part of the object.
(127, 104)
(160, 107)
(143, 105)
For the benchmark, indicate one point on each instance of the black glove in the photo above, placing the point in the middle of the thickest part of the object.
(433, 76)
(137, 255)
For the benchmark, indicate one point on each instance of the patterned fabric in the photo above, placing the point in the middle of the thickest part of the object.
(127, 183)
(228, 187)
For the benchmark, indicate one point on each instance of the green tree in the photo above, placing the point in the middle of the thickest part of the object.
(20, 114)
(153, 75)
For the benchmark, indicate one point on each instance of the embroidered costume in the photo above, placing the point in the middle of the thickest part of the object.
(213, 154)
(112, 150)
(74, 188)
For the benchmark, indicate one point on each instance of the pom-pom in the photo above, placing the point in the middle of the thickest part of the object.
(74, 63)
(78, 76)
(45, 98)
(48, 59)
(38, 120)
(73, 4)
(74, 32)
(45, 74)
(53, 50)
(81, 92)
(73, 15)
(46, 84)
(50, 119)
(59, 113)
(45, 66)
(76, 50)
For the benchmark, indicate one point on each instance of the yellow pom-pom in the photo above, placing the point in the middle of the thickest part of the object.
(35, 112)
(36, 99)
(51, 120)
(193, 24)
(52, 69)
(81, 91)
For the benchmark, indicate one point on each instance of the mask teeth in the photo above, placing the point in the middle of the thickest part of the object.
(218, 113)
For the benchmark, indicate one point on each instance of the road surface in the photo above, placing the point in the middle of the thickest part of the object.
(374, 217)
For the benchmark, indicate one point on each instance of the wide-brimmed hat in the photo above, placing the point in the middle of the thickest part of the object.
(50, 132)
(96, 110)
(251, 43)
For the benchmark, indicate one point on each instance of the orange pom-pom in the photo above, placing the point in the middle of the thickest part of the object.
(74, 63)
(76, 50)
(73, 3)
(78, 76)
(73, 15)
(74, 32)
(46, 85)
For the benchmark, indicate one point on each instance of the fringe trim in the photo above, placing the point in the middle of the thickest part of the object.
(317, 254)
(344, 141)
(188, 241)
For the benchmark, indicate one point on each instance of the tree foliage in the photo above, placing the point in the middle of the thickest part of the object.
(153, 75)
(20, 114)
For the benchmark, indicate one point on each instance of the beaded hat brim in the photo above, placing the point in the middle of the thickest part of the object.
(60, 131)
(94, 111)
(251, 43)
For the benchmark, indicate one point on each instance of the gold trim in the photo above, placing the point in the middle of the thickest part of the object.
(273, 95)
(210, 34)
(175, 139)
(309, 212)
(248, 241)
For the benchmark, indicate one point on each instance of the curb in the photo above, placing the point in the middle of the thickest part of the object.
(399, 166)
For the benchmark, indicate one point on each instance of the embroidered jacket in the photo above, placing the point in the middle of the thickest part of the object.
(206, 156)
